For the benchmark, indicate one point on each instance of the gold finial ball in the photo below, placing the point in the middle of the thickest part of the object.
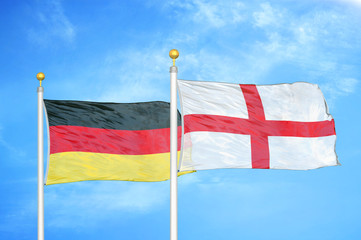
(40, 76)
(173, 53)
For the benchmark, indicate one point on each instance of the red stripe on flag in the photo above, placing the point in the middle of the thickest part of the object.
(260, 151)
(97, 140)
(216, 123)
(259, 142)
(253, 102)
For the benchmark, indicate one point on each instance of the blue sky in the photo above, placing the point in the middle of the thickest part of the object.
(118, 51)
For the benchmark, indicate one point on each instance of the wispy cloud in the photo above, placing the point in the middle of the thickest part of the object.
(213, 14)
(316, 43)
(52, 23)
(336, 88)
(242, 199)
(313, 44)
(88, 203)
(135, 76)
(348, 85)
(13, 151)
(352, 2)
(267, 16)
(18, 222)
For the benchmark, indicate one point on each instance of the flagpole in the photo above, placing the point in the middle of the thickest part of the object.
(173, 148)
(40, 76)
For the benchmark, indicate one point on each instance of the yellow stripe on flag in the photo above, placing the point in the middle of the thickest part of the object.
(82, 166)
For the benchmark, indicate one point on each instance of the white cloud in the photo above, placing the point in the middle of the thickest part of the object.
(215, 14)
(348, 85)
(305, 41)
(52, 24)
(312, 42)
(282, 37)
(338, 87)
(353, 2)
(218, 15)
(341, 87)
(268, 16)
(130, 75)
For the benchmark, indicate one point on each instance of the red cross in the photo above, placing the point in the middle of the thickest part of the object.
(257, 126)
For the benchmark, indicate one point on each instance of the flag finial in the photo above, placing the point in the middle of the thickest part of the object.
(173, 54)
(40, 76)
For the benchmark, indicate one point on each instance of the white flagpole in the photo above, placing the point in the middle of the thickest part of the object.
(40, 76)
(173, 148)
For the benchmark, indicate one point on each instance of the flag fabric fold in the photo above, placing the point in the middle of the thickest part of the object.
(108, 141)
(283, 126)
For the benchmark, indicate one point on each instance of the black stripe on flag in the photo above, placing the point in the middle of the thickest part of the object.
(120, 116)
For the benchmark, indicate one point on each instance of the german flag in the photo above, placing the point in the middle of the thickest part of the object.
(108, 141)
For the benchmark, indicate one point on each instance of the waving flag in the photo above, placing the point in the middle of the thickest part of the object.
(284, 126)
(108, 141)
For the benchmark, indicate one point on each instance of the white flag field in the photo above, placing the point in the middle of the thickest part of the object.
(282, 126)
